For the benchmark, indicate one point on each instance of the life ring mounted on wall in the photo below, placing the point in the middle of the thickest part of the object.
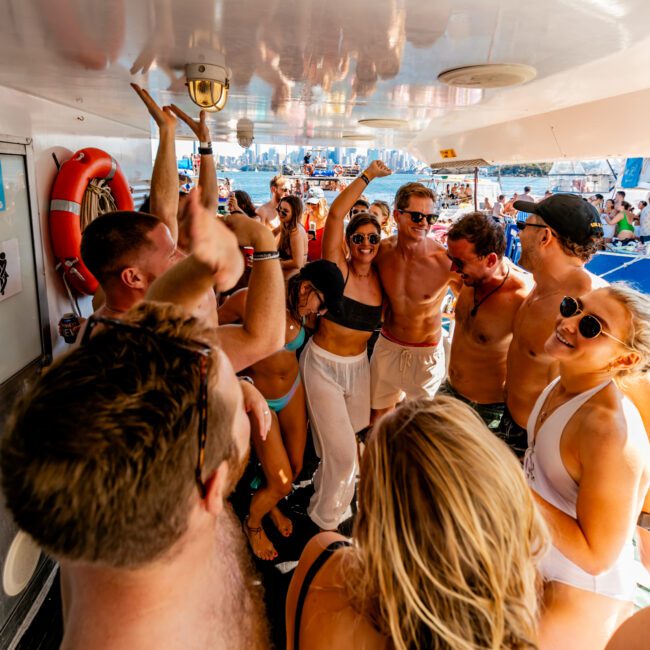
(68, 191)
(309, 169)
(338, 170)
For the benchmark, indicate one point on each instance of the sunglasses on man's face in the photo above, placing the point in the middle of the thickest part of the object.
(522, 225)
(359, 238)
(418, 217)
(358, 209)
(202, 352)
(589, 326)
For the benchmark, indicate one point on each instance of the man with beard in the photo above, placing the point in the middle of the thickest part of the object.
(493, 290)
(118, 463)
(268, 213)
(558, 238)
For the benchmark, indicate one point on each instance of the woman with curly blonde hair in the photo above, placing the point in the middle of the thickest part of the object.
(445, 544)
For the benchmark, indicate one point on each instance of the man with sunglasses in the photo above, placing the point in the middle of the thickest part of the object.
(118, 463)
(408, 360)
(280, 187)
(493, 290)
(558, 238)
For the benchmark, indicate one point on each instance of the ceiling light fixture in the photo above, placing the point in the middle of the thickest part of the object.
(245, 135)
(208, 85)
(488, 75)
(364, 137)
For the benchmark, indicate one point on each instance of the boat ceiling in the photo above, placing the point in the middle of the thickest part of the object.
(306, 71)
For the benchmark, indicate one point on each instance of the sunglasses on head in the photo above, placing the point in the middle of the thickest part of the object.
(202, 352)
(359, 238)
(589, 326)
(418, 217)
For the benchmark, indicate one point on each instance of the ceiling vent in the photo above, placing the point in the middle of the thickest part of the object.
(490, 75)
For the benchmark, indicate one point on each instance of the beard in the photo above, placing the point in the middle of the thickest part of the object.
(240, 614)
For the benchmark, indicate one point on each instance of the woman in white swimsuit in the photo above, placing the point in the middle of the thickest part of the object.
(588, 463)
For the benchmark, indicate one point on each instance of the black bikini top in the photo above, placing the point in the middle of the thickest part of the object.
(354, 314)
(325, 555)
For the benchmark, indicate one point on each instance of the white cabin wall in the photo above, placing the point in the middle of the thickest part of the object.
(58, 129)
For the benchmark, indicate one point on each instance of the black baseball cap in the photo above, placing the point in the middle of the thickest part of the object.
(567, 214)
(327, 278)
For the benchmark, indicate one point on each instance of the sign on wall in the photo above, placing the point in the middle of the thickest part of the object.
(10, 274)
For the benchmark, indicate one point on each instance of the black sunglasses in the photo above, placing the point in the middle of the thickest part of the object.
(201, 350)
(284, 213)
(522, 225)
(359, 238)
(417, 217)
(589, 326)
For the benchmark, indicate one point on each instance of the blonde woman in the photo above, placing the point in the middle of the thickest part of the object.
(381, 210)
(588, 464)
(315, 216)
(445, 544)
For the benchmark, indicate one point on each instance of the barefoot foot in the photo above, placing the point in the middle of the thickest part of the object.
(260, 543)
(281, 521)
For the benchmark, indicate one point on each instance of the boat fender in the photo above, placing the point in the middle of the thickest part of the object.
(65, 210)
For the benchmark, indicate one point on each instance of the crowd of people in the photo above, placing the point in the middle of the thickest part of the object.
(474, 459)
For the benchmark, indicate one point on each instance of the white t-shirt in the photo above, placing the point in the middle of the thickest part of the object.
(644, 219)
(497, 209)
(526, 197)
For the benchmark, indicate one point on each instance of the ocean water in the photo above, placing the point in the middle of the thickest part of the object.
(257, 185)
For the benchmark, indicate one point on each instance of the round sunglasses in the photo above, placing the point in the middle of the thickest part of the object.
(589, 326)
(359, 238)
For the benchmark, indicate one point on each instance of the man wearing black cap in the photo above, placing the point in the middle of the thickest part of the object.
(559, 236)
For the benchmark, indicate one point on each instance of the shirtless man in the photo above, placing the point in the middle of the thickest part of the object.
(558, 237)
(415, 272)
(151, 552)
(280, 187)
(493, 290)
(128, 251)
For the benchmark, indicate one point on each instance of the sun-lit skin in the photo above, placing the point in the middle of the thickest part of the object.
(568, 345)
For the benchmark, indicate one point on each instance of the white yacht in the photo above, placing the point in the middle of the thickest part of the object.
(506, 81)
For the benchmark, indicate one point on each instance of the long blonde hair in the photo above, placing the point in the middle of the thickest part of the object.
(447, 537)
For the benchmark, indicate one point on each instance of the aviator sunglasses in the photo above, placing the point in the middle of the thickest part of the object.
(589, 326)
(359, 238)
(417, 217)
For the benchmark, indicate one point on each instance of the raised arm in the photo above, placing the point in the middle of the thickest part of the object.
(263, 330)
(607, 497)
(163, 199)
(333, 235)
(207, 170)
(215, 261)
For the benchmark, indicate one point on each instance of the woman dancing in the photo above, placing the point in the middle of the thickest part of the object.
(317, 287)
(334, 365)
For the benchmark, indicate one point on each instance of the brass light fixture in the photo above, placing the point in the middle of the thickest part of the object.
(208, 85)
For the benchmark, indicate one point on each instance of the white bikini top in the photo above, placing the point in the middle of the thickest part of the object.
(543, 465)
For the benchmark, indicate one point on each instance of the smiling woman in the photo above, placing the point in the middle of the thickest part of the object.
(334, 364)
(588, 463)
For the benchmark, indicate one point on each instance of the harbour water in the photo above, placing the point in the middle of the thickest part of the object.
(257, 185)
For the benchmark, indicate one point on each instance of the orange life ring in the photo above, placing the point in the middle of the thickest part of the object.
(65, 210)
(309, 169)
(338, 170)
